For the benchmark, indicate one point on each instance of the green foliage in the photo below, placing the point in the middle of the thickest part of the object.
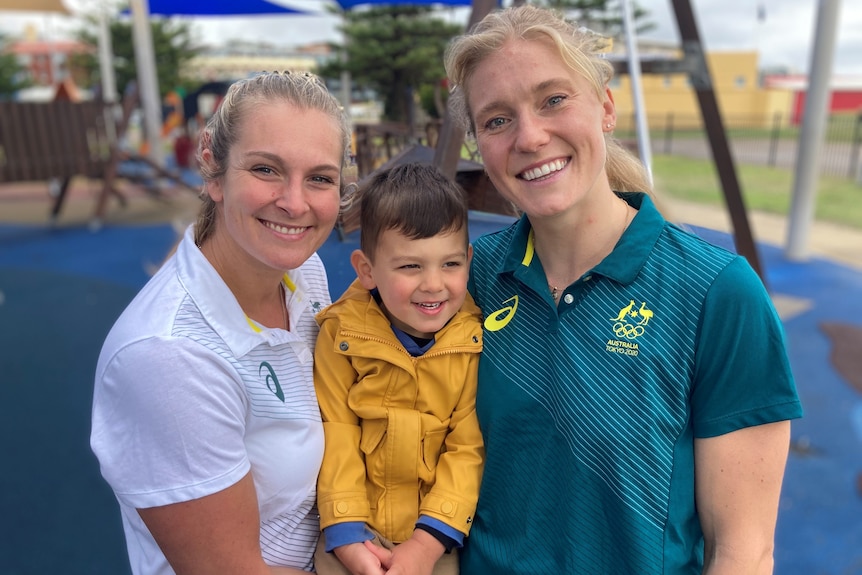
(433, 99)
(172, 43)
(13, 77)
(602, 16)
(396, 51)
(764, 188)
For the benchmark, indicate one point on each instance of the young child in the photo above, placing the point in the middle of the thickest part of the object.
(395, 372)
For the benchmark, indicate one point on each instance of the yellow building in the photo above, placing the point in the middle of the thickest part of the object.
(670, 100)
(242, 59)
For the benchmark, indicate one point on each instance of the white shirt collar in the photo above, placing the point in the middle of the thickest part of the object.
(219, 306)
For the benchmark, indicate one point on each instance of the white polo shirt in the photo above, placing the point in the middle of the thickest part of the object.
(190, 395)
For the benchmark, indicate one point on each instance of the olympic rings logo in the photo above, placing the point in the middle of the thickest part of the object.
(627, 330)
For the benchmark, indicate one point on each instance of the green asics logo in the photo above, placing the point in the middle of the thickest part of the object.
(271, 380)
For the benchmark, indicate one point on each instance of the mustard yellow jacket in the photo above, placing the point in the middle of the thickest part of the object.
(402, 438)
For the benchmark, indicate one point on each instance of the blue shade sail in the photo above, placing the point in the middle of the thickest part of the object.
(218, 8)
(251, 7)
(348, 4)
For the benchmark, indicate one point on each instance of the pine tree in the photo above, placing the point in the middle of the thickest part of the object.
(172, 43)
(395, 51)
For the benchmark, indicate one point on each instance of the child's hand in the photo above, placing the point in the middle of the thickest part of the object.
(383, 555)
(359, 560)
(416, 556)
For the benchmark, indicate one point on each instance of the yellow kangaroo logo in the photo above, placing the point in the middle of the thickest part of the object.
(624, 312)
(646, 314)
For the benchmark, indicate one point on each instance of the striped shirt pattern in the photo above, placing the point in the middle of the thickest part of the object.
(586, 407)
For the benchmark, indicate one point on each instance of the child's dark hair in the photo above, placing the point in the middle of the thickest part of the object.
(414, 199)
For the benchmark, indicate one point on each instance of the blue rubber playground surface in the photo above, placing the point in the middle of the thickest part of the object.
(62, 289)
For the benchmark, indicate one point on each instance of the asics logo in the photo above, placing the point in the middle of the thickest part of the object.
(271, 380)
(499, 319)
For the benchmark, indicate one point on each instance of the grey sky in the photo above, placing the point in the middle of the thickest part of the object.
(784, 38)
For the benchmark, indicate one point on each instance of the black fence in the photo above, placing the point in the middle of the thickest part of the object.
(769, 141)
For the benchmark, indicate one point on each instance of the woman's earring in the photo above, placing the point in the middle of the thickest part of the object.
(609, 126)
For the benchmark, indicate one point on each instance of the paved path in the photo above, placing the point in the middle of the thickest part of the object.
(841, 244)
(839, 159)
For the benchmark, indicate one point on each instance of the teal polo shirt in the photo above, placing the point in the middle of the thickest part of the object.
(589, 408)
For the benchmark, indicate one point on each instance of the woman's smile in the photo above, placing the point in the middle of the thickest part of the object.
(543, 170)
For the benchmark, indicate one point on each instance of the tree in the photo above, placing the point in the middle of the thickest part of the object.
(13, 76)
(602, 16)
(172, 42)
(395, 51)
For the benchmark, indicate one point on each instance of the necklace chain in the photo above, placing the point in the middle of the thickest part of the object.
(557, 292)
(283, 306)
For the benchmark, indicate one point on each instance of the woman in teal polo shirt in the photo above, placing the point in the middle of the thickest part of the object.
(634, 389)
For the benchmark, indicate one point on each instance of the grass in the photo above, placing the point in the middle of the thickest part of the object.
(840, 127)
(766, 189)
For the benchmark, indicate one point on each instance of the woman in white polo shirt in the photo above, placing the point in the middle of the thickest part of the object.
(205, 420)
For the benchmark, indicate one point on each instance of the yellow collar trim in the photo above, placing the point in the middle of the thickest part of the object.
(530, 251)
(288, 283)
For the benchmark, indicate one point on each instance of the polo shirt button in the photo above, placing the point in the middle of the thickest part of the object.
(447, 507)
(342, 507)
(569, 298)
(343, 346)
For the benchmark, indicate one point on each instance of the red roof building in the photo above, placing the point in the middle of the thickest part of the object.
(845, 93)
